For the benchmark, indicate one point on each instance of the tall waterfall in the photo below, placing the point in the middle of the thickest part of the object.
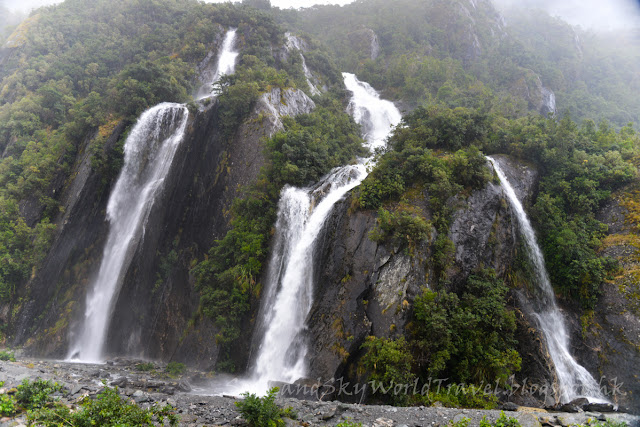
(302, 213)
(148, 154)
(574, 380)
(226, 65)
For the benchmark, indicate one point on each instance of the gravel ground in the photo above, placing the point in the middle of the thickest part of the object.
(195, 408)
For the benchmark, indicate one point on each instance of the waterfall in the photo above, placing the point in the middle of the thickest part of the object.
(294, 43)
(226, 65)
(148, 154)
(302, 213)
(574, 380)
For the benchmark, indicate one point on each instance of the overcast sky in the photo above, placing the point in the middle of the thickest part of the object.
(594, 14)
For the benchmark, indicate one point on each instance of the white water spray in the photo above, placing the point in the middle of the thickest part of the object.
(302, 213)
(226, 64)
(148, 154)
(574, 380)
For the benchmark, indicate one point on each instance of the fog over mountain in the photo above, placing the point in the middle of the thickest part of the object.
(591, 14)
(27, 5)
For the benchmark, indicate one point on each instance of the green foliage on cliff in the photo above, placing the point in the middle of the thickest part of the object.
(389, 363)
(432, 52)
(79, 69)
(466, 337)
(579, 166)
(312, 144)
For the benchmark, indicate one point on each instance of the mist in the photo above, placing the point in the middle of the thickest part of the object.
(595, 15)
(26, 5)
(285, 4)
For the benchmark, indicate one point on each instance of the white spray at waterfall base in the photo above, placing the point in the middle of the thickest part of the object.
(148, 154)
(574, 380)
(302, 214)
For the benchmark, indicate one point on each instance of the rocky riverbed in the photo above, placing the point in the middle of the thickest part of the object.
(190, 394)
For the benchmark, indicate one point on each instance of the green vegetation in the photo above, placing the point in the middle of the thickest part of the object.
(107, 409)
(7, 356)
(36, 394)
(263, 411)
(175, 368)
(431, 53)
(348, 423)
(502, 421)
(466, 337)
(389, 362)
(82, 68)
(312, 144)
(579, 167)
(145, 367)
(7, 405)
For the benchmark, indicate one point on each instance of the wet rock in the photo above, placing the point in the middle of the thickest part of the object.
(547, 421)
(167, 390)
(599, 407)
(568, 407)
(120, 382)
(580, 402)
(184, 386)
(510, 406)
(328, 414)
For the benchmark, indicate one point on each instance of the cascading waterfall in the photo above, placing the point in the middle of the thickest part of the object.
(574, 380)
(148, 153)
(226, 64)
(302, 213)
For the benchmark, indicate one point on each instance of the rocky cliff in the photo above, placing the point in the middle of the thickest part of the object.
(156, 313)
(365, 288)
(608, 338)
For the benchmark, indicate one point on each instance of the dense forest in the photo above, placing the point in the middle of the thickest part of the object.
(470, 81)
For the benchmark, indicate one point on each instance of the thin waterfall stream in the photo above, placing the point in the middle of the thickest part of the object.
(574, 380)
(148, 154)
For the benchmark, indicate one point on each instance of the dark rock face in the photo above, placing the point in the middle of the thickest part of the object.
(73, 259)
(155, 314)
(365, 288)
(607, 341)
(523, 178)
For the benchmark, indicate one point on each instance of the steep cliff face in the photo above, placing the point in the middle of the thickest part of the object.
(608, 338)
(207, 175)
(51, 295)
(156, 313)
(539, 98)
(365, 288)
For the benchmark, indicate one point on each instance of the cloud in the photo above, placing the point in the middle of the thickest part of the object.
(285, 4)
(27, 5)
(591, 14)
